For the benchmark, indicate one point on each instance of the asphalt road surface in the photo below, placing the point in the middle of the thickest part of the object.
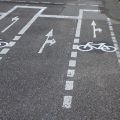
(59, 62)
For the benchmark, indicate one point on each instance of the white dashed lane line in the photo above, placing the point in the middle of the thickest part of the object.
(114, 40)
(67, 99)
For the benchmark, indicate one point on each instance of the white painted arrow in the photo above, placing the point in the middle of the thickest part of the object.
(50, 42)
(14, 20)
(95, 29)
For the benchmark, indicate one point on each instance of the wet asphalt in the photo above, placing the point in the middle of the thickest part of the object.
(33, 86)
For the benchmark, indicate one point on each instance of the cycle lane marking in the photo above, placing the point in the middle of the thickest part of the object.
(23, 30)
(67, 99)
(114, 39)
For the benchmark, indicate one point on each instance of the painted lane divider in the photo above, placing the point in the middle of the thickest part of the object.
(48, 41)
(14, 20)
(69, 85)
(93, 24)
(114, 40)
(4, 51)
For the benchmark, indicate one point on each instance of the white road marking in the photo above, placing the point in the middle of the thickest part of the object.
(7, 13)
(72, 63)
(11, 44)
(15, 19)
(95, 29)
(75, 47)
(58, 16)
(47, 41)
(26, 27)
(0, 58)
(76, 40)
(67, 102)
(69, 85)
(73, 54)
(114, 39)
(88, 10)
(111, 28)
(77, 34)
(70, 73)
(4, 51)
(16, 38)
(2, 13)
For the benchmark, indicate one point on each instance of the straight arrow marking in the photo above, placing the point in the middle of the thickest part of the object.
(14, 20)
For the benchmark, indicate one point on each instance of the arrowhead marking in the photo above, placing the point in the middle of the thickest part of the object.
(93, 23)
(50, 34)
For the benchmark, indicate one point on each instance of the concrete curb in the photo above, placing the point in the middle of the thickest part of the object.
(31, 2)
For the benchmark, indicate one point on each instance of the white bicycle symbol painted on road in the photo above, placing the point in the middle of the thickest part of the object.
(100, 46)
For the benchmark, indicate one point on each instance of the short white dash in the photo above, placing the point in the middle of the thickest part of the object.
(112, 34)
(69, 85)
(111, 28)
(76, 40)
(114, 38)
(70, 73)
(0, 58)
(74, 54)
(11, 44)
(4, 51)
(75, 47)
(16, 37)
(67, 100)
(72, 63)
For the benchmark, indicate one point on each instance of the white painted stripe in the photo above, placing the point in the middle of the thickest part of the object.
(70, 73)
(0, 58)
(69, 85)
(72, 63)
(11, 44)
(112, 33)
(58, 16)
(31, 7)
(75, 47)
(74, 54)
(26, 27)
(88, 10)
(78, 29)
(114, 40)
(7, 13)
(111, 28)
(76, 40)
(46, 2)
(16, 38)
(1, 13)
(67, 100)
(4, 50)
(82, 4)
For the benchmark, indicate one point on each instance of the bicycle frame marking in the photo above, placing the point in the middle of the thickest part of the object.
(101, 46)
